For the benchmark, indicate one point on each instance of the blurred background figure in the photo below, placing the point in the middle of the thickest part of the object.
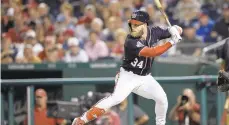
(75, 53)
(8, 50)
(204, 27)
(187, 110)
(190, 44)
(96, 48)
(40, 116)
(28, 55)
(97, 26)
(118, 48)
(108, 33)
(83, 25)
(29, 39)
(49, 44)
(187, 10)
(221, 30)
(140, 117)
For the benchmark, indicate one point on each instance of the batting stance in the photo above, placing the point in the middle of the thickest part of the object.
(134, 76)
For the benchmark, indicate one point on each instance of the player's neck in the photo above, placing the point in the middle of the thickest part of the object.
(144, 35)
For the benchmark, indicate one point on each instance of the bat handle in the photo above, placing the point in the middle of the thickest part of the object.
(167, 20)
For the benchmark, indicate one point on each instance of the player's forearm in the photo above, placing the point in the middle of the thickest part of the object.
(155, 51)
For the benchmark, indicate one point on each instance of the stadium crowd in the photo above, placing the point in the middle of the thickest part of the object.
(83, 31)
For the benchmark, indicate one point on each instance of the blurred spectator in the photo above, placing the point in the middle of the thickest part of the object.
(43, 11)
(75, 54)
(89, 14)
(152, 12)
(40, 32)
(40, 116)
(187, 10)
(126, 16)
(83, 25)
(140, 117)
(50, 44)
(225, 116)
(204, 27)
(105, 15)
(108, 32)
(30, 38)
(96, 48)
(66, 35)
(109, 118)
(118, 49)
(138, 4)
(187, 110)
(8, 50)
(52, 55)
(66, 16)
(7, 21)
(20, 20)
(115, 8)
(48, 26)
(97, 26)
(28, 55)
(159, 20)
(126, 3)
(221, 30)
(59, 26)
(190, 44)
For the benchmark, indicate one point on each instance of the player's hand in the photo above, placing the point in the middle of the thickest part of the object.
(175, 39)
(175, 30)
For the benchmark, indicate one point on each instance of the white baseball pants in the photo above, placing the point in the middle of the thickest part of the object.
(145, 86)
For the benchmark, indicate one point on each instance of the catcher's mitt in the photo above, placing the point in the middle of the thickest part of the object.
(223, 81)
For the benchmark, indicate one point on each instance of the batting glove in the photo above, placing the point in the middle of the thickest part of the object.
(175, 39)
(174, 30)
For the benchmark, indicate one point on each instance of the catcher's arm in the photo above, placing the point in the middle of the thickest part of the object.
(223, 81)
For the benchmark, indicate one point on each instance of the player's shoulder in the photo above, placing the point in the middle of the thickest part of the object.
(130, 40)
(156, 28)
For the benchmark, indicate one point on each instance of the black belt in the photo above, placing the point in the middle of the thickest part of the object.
(136, 72)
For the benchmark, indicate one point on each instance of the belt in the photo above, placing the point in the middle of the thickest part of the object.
(135, 72)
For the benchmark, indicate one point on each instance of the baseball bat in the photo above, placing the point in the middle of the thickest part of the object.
(158, 4)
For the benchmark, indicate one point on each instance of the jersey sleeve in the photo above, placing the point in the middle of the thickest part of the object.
(134, 47)
(160, 33)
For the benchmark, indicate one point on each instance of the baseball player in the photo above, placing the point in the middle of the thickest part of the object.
(134, 76)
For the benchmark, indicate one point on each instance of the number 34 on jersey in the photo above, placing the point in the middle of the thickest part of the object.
(137, 63)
